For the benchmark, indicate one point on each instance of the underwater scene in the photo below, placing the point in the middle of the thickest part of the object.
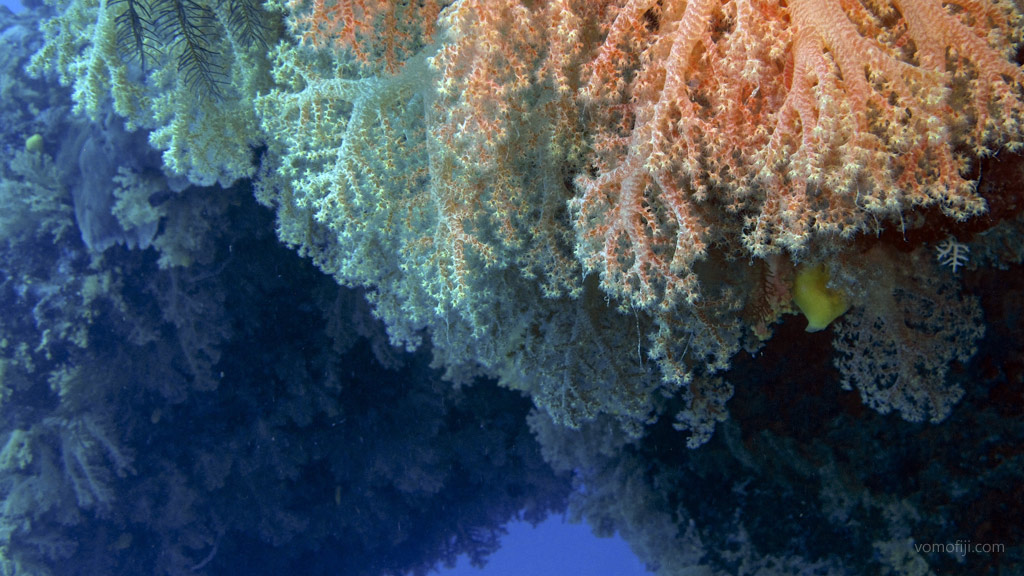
(348, 287)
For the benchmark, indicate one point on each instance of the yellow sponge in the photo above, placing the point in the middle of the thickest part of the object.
(34, 143)
(819, 303)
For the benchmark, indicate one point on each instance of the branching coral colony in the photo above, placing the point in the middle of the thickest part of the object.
(500, 172)
(695, 157)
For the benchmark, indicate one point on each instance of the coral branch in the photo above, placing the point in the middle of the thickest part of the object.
(782, 123)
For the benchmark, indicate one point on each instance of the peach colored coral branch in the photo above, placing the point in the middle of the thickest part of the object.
(783, 125)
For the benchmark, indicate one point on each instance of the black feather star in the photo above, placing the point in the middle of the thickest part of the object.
(193, 29)
(135, 31)
(149, 29)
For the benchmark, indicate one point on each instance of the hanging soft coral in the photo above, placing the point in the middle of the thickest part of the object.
(372, 30)
(781, 123)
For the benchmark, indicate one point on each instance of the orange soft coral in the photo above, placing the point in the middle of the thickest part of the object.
(714, 119)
